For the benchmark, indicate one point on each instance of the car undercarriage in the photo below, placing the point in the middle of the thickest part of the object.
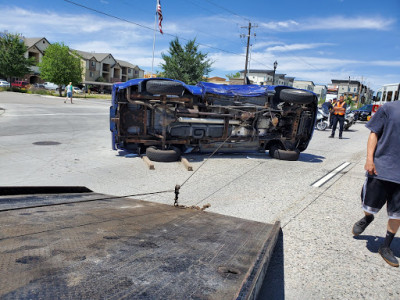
(165, 117)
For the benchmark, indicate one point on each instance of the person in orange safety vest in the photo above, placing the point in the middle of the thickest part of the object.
(339, 110)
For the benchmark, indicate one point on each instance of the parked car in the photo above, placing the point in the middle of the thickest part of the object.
(165, 117)
(20, 84)
(93, 90)
(76, 90)
(50, 86)
(4, 84)
(38, 86)
(363, 112)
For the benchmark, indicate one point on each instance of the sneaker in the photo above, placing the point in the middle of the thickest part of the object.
(388, 256)
(331, 136)
(360, 226)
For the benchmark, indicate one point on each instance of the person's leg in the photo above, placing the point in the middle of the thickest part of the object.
(341, 126)
(373, 198)
(393, 208)
(393, 225)
(334, 125)
(384, 249)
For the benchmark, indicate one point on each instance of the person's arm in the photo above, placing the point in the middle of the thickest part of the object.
(371, 146)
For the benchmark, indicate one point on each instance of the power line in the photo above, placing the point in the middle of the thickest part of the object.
(165, 33)
(147, 27)
(228, 10)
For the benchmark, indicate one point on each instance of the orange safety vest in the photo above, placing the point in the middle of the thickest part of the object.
(339, 109)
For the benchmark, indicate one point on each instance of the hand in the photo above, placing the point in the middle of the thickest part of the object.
(370, 168)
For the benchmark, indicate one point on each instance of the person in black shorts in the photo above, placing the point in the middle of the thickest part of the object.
(382, 184)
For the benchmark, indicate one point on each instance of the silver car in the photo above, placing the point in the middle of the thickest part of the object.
(4, 84)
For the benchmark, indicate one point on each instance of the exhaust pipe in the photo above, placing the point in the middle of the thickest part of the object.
(206, 121)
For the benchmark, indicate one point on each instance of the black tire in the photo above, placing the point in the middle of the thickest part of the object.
(155, 154)
(164, 87)
(321, 125)
(276, 152)
(296, 96)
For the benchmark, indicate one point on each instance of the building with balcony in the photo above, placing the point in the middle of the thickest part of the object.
(103, 67)
(99, 68)
(36, 50)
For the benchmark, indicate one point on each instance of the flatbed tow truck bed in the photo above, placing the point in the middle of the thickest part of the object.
(91, 246)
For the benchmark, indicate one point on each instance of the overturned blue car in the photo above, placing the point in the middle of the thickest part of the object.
(164, 118)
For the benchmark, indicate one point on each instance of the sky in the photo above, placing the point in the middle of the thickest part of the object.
(315, 40)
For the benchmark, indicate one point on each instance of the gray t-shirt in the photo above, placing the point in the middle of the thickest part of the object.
(386, 124)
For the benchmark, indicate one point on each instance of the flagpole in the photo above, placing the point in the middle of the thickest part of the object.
(154, 40)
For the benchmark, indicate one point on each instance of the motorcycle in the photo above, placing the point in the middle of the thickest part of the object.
(349, 120)
(322, 119)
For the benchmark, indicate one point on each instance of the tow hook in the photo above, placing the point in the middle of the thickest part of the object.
(177, 187)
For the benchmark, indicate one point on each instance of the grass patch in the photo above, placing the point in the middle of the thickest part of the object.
(39, 92)
(89, 96)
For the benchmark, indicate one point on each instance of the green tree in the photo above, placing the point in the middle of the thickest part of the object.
(100, 79)
(13, 63)
(233, 75)
(186, 63)
(60, 65)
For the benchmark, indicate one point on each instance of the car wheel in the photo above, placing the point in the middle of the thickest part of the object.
(155, 154)
(296, 96)
(164, 87)
(278, 153)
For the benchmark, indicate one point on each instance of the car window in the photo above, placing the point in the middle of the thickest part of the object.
(366, 108)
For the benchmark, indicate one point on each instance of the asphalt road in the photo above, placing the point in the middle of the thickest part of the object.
(46, 142)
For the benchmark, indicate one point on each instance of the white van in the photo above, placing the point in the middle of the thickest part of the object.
(386, 93)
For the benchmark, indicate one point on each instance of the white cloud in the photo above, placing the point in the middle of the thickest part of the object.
(259, 45)
(332, 23)
(295, 47)
(30, 22)
(89, 32)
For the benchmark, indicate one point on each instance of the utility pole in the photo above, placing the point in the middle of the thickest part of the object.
(360, 91)
(247, 49)
(348, 89)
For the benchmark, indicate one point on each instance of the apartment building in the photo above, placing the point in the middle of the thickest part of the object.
(108, 68)
(36, 49)
(320, 90)
(97, 66)
(353, 89)
(304, 84)
(266, 77)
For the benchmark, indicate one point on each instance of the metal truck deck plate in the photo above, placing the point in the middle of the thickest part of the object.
(77, 247)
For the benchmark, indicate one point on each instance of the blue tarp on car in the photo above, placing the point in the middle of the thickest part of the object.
(195, 90)
(251, 90)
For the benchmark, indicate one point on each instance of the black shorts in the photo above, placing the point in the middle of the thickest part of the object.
(375, 193)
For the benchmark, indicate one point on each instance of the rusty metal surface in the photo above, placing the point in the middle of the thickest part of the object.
(126, 248)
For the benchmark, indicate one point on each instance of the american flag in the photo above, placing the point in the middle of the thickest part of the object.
(160, 18)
